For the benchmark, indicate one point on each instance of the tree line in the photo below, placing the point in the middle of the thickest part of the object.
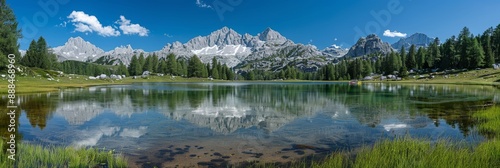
(192, 67)
(467, 51)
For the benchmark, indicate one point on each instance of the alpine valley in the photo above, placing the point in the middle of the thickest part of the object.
(268, 50)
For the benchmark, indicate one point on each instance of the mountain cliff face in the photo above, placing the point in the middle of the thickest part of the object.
(371, 44)
(417, 39)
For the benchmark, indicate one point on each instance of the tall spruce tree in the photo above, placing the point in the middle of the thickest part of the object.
(135, 66)
(411, 59)
(476, 55)
(464, 43)
(9, 34)
(172, 65)
(489, 58)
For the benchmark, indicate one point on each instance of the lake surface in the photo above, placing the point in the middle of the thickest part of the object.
(187, 124)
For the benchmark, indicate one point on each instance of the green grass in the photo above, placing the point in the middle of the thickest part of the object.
(490, 121)
(29, 155)
(410, 152)
(487, 76)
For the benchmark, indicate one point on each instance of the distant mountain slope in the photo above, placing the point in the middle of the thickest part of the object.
(417, 39)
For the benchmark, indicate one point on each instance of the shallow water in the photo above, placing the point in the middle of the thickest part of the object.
(187, 124)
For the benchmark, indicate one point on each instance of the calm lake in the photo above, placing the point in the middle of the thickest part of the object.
(191, 124)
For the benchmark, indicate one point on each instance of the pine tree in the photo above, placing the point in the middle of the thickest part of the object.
(434, 58)
(411, 59)
(43, 54)
(215, 73)
(367, 69)
(142, 61)
(30, 59)
(162, 67)
(134, 67)
(464, 43)
(148, 64)
(251, 75)
(172, 65)
(402, 54)
(495, 43)
(122, 70)
(477, 55)
(9, 34)
(195, 67)
(488, 52)
(155, 63)
(421, 57)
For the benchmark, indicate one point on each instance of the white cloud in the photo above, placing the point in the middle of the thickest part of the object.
(168, 35)
(335, 39)
(87, 23)
(202, 4)
(389, 33)
(129, 28)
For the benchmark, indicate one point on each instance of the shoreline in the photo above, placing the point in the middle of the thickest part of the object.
(22, 87)
(29, 85)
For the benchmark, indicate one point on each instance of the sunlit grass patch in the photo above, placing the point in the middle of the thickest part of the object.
(490, 121)
(29, 155)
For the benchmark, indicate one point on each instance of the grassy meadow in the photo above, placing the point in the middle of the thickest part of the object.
(29, 155)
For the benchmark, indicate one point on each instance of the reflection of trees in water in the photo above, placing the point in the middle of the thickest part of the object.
(38, 109)
(4, 125)
(273, 105)
(454, 104)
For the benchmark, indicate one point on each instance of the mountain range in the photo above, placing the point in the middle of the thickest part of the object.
(268, 50)
(417, 39)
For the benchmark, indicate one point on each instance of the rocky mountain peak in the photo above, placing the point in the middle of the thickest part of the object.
(371, 44)
(76, 48)
(271, 35)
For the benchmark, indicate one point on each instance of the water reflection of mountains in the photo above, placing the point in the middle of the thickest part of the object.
(225, 108)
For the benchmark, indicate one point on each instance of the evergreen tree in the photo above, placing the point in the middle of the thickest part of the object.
(148, 64)
(30, 58)
(251, 75)
(434, 57)
(449, 53)
(464, 43)
(378, 66)
(367, 69)
(142, 61)
(229, 73)
(172, 65)
(421, 54)
(402, 54)
(155, 62)
(195, 67)
(477, 55)
(411, 59)
(9, 34)
(134, 67)
(495, 43)
(215, 73)
(122, 70)
(183, 68)
(43, 54)
(488, 52)
(162, 68)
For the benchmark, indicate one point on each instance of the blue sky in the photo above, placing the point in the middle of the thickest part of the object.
(150, 24)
